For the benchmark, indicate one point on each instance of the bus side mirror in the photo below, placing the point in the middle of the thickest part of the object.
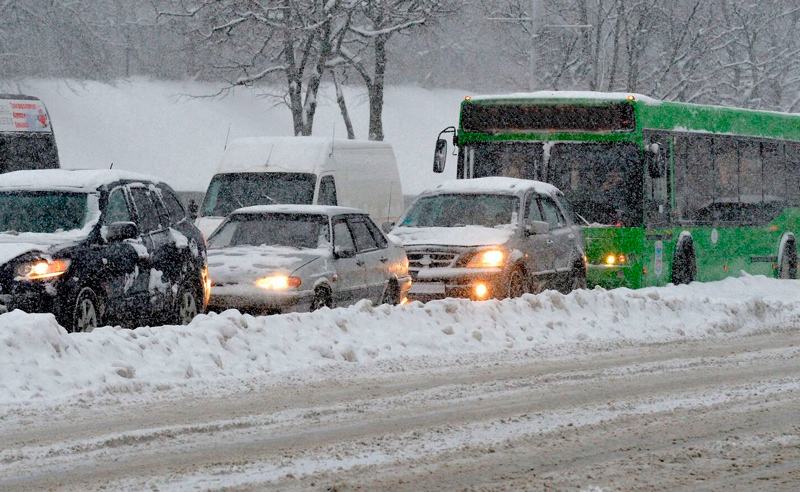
(440, 156)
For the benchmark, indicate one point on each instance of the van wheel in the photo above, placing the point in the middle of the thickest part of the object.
(787, 260)
(684, 263)
(517, 283)
(87, 312)
(391, 295)
(322, 298)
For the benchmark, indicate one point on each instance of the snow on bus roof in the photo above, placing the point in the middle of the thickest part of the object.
(297, 209)
(585, 95)
(493, 185)
(292, 154)
(74, 179)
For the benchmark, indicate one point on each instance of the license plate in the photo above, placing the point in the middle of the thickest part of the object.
(427, 288)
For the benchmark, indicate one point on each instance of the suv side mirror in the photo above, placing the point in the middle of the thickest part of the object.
(120, 231)
(387, 227)
(537, 227)
(339, 253)
(440, 156)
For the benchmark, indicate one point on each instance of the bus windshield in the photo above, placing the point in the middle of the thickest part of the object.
(228, 192)
(603, 181)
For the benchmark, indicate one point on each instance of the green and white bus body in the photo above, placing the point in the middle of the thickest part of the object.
(670, 192)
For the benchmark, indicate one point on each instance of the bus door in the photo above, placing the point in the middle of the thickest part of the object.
(658, 180)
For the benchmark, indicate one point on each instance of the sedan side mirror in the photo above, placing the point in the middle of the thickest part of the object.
(120, 231)
(387, 227)
(537, 227)
(440, 156)
(340, 253)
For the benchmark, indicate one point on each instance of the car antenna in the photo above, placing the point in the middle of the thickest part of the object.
(389, 210)
(111, 166)
(227, 136)
(333, 139)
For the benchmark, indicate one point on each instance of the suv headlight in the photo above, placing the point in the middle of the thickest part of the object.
(42, 269)
(491, 258)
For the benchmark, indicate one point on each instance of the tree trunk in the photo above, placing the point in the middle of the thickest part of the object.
(351, 135)
(376, 90)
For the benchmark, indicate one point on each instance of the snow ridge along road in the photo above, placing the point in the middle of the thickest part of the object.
(228, 353)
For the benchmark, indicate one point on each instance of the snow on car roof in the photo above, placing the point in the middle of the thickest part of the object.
(86, 180)
(292, 154)
(298, 209)
(493, 185)
(587, 95)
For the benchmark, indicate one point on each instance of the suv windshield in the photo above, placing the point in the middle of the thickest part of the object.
(42, 211)
(294, 230)
(227, 192)
(458, 210)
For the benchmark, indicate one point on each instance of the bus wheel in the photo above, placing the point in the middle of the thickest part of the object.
(787, 258)
(684, 263)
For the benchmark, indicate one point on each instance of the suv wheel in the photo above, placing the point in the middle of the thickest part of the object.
(322, 298)
(87, 312)
(577, 278)
(189, 302)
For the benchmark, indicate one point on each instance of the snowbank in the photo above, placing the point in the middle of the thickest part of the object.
(39, 360)
(151, 127)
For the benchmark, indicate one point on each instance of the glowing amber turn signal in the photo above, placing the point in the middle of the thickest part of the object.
(611, 259)
(481, 290)
(278, 282)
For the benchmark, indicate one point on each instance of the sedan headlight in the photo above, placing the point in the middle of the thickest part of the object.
(42, 269)
(491, 258)
(278, 282)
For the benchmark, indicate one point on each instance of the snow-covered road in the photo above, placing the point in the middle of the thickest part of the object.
(676, 387)
(676, 415)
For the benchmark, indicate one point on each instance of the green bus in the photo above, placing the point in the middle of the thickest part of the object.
(668, 192)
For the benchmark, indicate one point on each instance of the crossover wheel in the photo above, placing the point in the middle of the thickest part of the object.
(517, 283)
(87, 312)
(189, 302)
(322, 298)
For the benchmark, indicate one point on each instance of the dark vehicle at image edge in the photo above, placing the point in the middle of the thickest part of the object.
(98, 247)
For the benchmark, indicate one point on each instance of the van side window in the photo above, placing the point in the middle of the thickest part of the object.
(327, 191)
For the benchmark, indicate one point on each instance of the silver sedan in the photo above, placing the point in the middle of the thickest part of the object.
(280, 258)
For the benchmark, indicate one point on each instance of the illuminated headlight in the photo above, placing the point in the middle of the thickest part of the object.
(491, 258)
(616, 259)
(42, 269)
(278, 282)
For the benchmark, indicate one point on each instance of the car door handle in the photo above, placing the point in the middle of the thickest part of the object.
(549, 241)
(360, 262)
(384, 259)
(571, 236)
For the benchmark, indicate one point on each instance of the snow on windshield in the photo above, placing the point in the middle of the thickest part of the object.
(299, 231)
(228, 192)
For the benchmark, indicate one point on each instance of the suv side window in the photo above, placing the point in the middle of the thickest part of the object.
(376, 233)
(532, 212)
(364, 239)
(327, 191)
(342, 238)
(174, 207)
(117, 209)
(552, 214)
(145, 210)
(568, 210)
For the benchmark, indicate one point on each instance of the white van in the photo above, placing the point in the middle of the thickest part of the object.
(304, 170)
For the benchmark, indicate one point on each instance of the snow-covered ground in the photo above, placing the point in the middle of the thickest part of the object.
(154, 127)
(230, 352)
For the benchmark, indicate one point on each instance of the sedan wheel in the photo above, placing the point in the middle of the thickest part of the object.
(87, 314)
(517, 283)
(322, 298)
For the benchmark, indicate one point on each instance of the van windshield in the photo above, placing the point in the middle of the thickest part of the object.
(227, 192)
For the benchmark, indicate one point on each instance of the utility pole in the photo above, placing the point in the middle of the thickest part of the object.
(535, 20)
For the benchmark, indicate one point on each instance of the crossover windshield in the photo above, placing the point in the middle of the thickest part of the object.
(228, 192)
(293, 230)
(458, 210)
(42, 211)
(602, 181)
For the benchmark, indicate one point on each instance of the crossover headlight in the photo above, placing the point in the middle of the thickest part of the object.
(490, 258)
(278, 282)
(42, 269)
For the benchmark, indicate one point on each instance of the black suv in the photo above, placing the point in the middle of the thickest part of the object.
(98, 247)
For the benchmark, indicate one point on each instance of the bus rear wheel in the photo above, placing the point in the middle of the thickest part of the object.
(787, 259)
(684, 263)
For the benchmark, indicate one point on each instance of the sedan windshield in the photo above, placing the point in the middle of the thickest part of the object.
(42, 211)
(293, 230)
(458, 210)
(227, 192)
